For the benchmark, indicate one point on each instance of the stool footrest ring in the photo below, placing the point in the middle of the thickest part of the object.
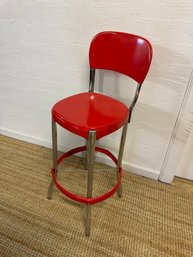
(83, 199)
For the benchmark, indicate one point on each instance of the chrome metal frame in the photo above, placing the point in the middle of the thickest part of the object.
(120, 157)
(55, 156)
(91, 153)
(134, 100)
(123, 138)
(87, 155)
(91, 80)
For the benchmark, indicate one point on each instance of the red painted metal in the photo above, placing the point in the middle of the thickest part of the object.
(118, 51)
(90, 111)
(122, 52)
(83, 199)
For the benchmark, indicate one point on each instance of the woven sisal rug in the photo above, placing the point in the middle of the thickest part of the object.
(151, 219)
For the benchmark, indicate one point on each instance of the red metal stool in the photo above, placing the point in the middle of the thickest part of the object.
(93, 115)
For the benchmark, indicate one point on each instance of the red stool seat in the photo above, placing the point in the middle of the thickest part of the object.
(90, 111)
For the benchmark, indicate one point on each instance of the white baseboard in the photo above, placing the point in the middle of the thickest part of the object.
(136, 169)
(139, 170)
(24, 137)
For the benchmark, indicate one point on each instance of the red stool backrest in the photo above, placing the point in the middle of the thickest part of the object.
(121, 52)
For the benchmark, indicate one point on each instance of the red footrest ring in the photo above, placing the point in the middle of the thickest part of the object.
(83, 199)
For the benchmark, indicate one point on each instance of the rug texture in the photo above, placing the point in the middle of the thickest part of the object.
(151, 219)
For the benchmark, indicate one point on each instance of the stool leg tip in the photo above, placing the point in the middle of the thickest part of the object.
(88, 220)
(120, 191)
(49, 195)
(87, 233)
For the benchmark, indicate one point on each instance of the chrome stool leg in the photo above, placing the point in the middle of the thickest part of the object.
(55, 154)
(120, 157)
(87, 155)
(91, 151)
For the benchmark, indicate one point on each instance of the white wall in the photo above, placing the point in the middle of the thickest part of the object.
(43, 56)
